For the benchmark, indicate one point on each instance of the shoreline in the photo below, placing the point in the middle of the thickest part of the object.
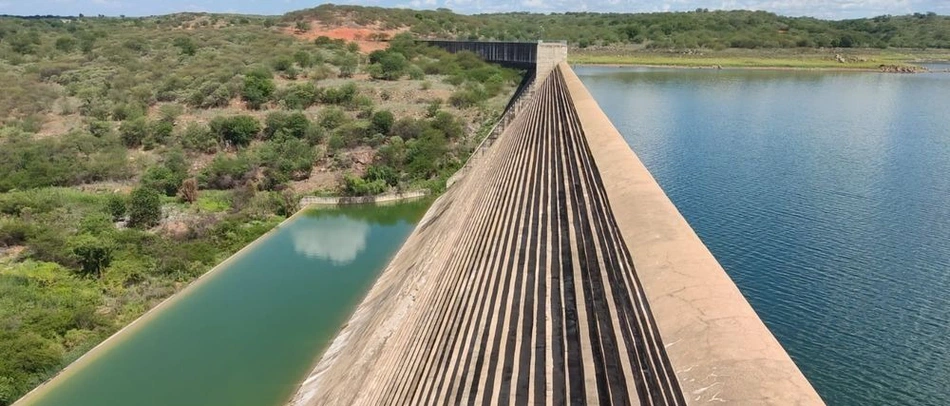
(116, 338)
(717, 67)
(387, 198)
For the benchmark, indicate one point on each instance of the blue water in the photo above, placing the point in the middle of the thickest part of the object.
(826, 197)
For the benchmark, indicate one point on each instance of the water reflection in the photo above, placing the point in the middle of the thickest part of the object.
(338, 238)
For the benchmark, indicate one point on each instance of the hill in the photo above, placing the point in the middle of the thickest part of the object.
(695, 29)
(137, 153)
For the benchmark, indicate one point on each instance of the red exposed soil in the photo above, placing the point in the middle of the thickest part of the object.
(366, 37)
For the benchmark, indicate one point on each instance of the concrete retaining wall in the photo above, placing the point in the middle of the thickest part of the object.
(344, 200)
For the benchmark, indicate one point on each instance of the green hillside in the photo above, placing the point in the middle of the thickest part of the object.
(135, 154)
(695, 29)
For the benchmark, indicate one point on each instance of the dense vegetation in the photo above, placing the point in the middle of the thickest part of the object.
(135, 154)
(697, 29)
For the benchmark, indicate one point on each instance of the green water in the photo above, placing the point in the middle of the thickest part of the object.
(250, 332)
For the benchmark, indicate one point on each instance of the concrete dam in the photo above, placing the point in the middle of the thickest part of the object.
(554, 270)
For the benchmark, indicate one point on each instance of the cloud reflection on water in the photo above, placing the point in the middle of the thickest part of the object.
(338, 239)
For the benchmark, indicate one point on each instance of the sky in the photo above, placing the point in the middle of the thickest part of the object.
(827, 9)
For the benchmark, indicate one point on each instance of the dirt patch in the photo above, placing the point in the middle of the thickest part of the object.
(369, 38)
(12, 252)
(321, 178)
(57, 125)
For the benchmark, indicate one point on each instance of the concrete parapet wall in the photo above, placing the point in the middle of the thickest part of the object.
(721, 349)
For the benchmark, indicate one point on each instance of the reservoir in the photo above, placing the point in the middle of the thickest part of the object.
(247, 333)
(825, 196)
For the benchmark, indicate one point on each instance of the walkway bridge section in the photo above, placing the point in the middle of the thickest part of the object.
(540, 56)
(555, 271)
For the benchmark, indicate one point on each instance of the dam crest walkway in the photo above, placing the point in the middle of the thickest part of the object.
(523, 284)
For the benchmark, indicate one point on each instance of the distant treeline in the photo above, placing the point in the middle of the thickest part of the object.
(701, 28)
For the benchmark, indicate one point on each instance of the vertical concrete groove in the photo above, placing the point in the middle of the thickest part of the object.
(517, 288)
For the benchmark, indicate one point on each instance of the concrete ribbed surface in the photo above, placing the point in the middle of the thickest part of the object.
(516, 288)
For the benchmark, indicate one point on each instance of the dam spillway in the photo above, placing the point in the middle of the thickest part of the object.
(555, 271)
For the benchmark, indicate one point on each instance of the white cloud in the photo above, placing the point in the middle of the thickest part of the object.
(338, 239)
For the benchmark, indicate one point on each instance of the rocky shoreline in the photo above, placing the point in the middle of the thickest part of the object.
(903, 69)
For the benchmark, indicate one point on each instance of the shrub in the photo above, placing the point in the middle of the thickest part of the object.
(382, 122)
(158, 133)
(433, 108)
(407, 128)
(303, 58)
(186, 45)
(188, 191)
(116, 206)
(100, 129)
(65, 44)
(425, 155)
(347, 65)
(354, 132)
(416, 73)
(315, 134)
(355, 186)
(292, 124)
(450, 126)
(133, 132)
(300, 96)
(258, 88)
(470, 96)
(161, 179)
(285, 159)
(331, 118)
(210, 95)
(388, 65)
(283, 63)
(339, 95)
(196, 137)
(235, 130)
(169, 113)
(225, 172)
(93, 253)
(383, 173)
(145, 208)
(127, 111)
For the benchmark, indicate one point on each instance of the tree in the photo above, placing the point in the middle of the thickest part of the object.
(93, 253)
(145, 207)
